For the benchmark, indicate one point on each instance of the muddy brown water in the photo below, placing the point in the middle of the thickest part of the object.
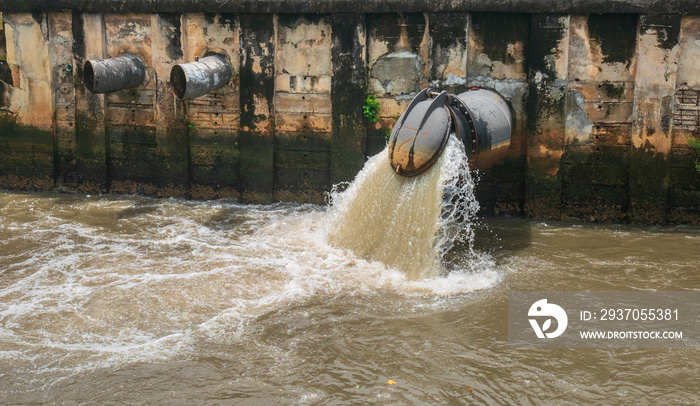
(128, 300)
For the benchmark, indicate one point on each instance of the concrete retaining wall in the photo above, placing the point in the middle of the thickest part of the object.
(603, 103)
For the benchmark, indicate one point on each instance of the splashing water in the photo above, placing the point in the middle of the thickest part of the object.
(406, 223)
(122, 299)
(88, 283)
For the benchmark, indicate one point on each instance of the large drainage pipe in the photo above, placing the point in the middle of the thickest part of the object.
(110, 75)
(480, 118)
(194, 79)
(483, 121)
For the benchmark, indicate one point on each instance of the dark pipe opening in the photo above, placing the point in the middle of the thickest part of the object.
(178, 80)
(113, 74)
(89, 76)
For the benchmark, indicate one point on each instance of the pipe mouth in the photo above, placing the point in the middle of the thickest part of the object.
(420, 135)
(89, 77)
(178, 80)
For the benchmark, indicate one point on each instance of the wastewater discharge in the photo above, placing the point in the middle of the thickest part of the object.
(407, 223)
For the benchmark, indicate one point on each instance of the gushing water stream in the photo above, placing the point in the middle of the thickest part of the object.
(406, 223)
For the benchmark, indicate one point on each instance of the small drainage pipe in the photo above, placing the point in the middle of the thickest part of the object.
(194, 79)
(110, 75)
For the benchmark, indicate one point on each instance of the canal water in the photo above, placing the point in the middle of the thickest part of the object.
(132, 300)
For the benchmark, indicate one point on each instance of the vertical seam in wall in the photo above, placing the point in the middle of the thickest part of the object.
(54, 124)
(272, 115)
(184, 46)
(567, 101)
(428, 48)
(675, 60)
(108, 160)
(466, 45)
(366, 64)
(366, 76)
(328, 18)
(239, 35)
(46, 37)
(634, 118)
(560, 173)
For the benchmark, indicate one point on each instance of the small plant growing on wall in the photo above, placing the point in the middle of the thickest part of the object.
(695, 144)
(371, 108)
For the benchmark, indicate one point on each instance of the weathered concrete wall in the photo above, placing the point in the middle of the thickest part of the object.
(26, 111)
(352, 6)
(603, 104)
(303, 81)
(599, 116)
